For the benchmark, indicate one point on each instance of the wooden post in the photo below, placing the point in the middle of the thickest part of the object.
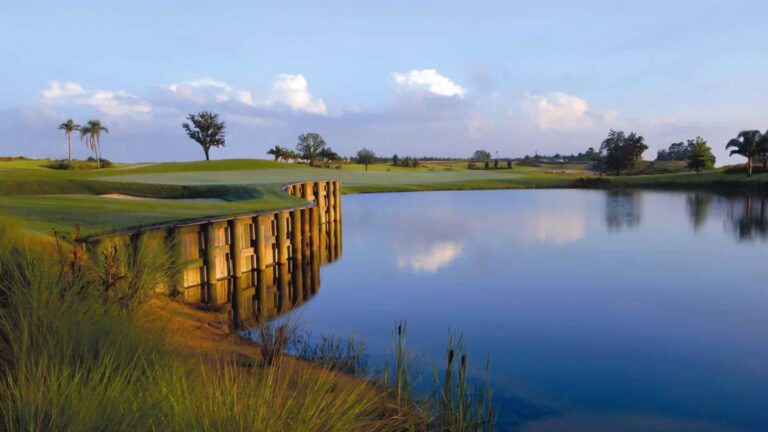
(210, 263)
(261, 256)
(238, 231)
(296, 231)
(282, 236)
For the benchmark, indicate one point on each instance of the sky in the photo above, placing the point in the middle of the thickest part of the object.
(413, 78)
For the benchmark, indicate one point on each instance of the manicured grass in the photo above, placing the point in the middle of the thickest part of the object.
(348, 176)
(95, 214)
(24, 164)
(716, 180)
(46, 199)
(197, 166)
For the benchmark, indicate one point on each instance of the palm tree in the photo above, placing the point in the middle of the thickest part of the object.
(762, 145)
(92, 131)
(278, 152)
(746, 144)
(290, 155)
(68, 127)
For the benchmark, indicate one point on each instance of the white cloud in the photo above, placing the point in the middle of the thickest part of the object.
(293, 91)
(244, 97)
(431, 259)
(429, 80)
(558, 111)
(202, 83)
(288, 90)
(114, 103)
(58, 90)
(201, 89)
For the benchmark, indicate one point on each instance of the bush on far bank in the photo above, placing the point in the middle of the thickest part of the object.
(76, 165)
(742, 169)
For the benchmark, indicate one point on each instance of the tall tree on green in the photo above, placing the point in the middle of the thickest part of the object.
(310, 146)
(700, 155)
(746, 144)
(68, 127)
(365, 156)
(328, 156)
(91, 134)
(622, 151)
(206, 129)
(481, 155)
(278, 152)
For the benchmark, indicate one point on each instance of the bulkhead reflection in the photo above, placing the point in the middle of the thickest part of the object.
(260, 265)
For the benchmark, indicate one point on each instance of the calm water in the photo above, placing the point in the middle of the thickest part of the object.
(599, 310)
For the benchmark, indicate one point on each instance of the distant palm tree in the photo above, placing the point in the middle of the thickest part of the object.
(746, 144)
(762, 145)
(290, 155)
(92, 131)
(68, 127)
(278, 152)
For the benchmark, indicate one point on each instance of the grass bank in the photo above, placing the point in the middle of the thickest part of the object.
(87, 342)
(74, 356)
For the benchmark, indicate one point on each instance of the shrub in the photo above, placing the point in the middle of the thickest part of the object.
(273, 339)
(88, 164)
(591, 182)
(742, 169)
(105, 163)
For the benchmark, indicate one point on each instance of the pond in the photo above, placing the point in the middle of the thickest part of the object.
(600, 310)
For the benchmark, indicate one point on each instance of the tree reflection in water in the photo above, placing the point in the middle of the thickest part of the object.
(622, 209)
(699, 206)
(748, 218)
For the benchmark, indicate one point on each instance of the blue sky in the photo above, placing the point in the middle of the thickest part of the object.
(419, 78)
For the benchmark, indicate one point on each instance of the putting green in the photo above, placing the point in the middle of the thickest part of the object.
(347, 177)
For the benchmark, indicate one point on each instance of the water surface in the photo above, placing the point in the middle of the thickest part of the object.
(599, 310)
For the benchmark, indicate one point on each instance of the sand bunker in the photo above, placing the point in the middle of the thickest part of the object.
(136, 198)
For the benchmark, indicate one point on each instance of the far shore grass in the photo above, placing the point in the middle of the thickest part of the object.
(36, 198)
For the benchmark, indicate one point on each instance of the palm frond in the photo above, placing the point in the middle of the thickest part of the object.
(734, 143)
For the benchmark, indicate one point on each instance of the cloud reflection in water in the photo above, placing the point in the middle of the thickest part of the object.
(431, 258)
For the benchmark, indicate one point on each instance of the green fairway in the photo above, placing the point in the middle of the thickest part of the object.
(43, 199)
(349, 177)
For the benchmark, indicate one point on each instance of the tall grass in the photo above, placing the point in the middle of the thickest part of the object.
(273, 338)
(455, 404)
(462, 406)
(348, 356)
(276, 399)
(72, 359)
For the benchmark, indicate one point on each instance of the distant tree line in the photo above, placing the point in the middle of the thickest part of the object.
(678, 151)
(482, 159)
(618, 153)
(591, 155)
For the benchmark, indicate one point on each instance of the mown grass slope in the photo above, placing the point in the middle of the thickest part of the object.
(45, 199)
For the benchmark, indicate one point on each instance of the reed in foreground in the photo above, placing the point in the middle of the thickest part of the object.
(71, 358)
